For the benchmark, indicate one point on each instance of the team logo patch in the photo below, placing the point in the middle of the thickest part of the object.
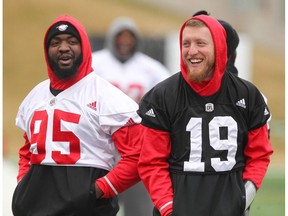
(62, 27)
(52, 102)
(209, 107)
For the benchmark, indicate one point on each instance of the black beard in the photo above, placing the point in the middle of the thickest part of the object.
(64, 74)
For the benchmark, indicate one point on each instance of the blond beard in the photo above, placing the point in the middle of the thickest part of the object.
(199, 78)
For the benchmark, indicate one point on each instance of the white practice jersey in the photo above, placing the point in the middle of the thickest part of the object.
(75, 127)
(135, 77)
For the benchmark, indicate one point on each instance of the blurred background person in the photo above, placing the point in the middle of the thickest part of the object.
(122, 63)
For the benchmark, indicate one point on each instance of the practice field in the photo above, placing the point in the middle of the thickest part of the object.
(270, 198)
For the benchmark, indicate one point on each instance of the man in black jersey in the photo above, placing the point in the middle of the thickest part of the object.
(205, 138)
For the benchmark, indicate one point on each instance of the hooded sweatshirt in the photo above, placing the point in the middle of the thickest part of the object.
(135, 74)
(163, 111)
(84, 68)
(113, 112)
(210, 87)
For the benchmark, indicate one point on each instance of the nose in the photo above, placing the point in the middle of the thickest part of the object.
(64, 46)
(192, 50)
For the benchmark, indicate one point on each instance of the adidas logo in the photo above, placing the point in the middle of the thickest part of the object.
(266, 112)
(92, 105)
(130, 122)
(150, 113)
(241, 103)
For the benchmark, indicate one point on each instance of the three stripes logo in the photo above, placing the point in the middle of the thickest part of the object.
(241, 103)
(150, 113)
(92, 105)
(130, 122)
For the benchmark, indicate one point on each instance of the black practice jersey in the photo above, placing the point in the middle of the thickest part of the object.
(208, 134)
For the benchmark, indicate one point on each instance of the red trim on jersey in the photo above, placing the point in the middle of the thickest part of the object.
(257, 152)
(153, 168)
(125, 173)
(24, 159)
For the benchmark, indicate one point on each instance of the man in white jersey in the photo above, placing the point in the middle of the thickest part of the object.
(81, 134)
(123, 64)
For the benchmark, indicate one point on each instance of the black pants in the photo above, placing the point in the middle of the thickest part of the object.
(61, 191)
(157, 213)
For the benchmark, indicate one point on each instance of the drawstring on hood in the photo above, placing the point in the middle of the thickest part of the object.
(85, 66)
(219, 38)
(120, 24)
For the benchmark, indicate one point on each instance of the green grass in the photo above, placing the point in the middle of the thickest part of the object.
(270, 199)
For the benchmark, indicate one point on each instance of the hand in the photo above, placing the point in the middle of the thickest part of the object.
(98, 191)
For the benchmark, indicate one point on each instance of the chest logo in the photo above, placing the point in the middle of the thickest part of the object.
(241, 103)
(92, 105)
(150, 113)
(209, 107)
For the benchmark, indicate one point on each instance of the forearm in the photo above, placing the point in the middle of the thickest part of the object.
(24, 159)
(153, 169)
(125, 173)
(257, 153)
(122, 177)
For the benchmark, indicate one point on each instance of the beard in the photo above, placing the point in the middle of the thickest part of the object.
(64, 74)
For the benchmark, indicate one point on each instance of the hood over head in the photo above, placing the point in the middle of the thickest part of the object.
(117, 26)
(232, 37)
(218, 33)
(77, 30)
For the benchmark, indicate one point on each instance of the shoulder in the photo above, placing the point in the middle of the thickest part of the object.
(39, 90)
(108, 95)
(241, 84)
(165, 90)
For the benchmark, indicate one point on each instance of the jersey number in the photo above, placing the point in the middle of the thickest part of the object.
(38, 129)
(230, 143)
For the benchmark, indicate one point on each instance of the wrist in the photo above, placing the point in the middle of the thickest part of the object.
(99, 193)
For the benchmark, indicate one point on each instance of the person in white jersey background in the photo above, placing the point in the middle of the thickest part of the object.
(123, 63)
(81, 134)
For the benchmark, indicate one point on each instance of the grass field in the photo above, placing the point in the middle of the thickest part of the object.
(270, 199)
(24, 24)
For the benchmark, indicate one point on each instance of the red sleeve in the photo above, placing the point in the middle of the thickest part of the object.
(125, 173)
(257, 152)
(24, 159)
(153, 168)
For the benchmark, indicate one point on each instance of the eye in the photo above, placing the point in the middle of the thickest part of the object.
(73, 41)
(54, 43)
(185, 44)
(201, 43)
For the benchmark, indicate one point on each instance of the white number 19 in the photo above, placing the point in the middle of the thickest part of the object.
(230, 144)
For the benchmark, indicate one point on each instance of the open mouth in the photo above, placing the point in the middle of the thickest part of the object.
(195, 61)
(65, 60)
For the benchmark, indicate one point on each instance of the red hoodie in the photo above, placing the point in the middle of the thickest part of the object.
(125, 174)
(219, 38)
(153, 166)
(85, 67)
(56, 83)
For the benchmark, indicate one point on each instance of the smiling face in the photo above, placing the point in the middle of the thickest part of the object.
(65, 55)
(198, 52)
